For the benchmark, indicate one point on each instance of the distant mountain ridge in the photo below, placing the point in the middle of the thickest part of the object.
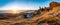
(24, 11)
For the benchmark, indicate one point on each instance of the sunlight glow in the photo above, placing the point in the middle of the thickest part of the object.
(14, 10)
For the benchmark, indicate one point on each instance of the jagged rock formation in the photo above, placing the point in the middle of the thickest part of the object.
(53, 4)
(44, 16)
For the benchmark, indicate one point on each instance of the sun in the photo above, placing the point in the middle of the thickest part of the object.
(14, 11)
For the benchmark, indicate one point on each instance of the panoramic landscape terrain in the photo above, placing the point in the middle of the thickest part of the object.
(29, 12)
(43, 16)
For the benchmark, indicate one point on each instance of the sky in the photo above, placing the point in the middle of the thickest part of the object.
(24, 4)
